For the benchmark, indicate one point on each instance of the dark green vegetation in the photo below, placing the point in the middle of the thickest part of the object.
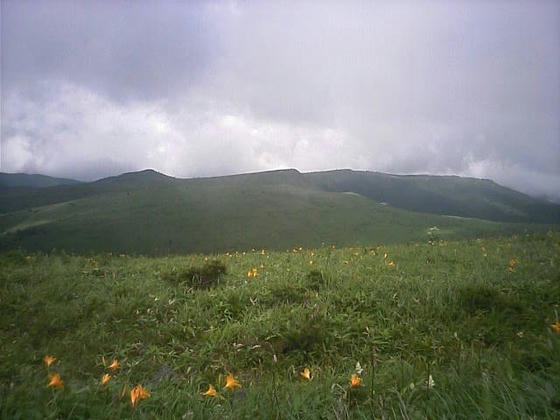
(150, 213)
(32, 181)
(476, 315)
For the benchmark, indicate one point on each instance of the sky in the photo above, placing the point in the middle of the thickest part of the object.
(203, 88)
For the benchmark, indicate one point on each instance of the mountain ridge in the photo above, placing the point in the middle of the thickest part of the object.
(151, 213)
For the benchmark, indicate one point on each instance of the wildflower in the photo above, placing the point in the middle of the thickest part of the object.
(114, 365)
(306, 374)
(391, 263)
(255, 272)
(512, 262)
(211, 391)
(105, 378)
(55, 381)
(138, 393)
(359, 369)
(355, 381)
(49, 360)
(385, 256)
(249, 273)
(431, 382)
(232, 383)
(555, 326)
(310, 262)
(262, 251)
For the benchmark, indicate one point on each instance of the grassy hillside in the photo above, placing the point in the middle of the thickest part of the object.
(451, 195)
(150, 213)
(32, 181)
(478, 317)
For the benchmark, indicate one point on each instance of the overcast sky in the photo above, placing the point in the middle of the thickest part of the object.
(96, 88)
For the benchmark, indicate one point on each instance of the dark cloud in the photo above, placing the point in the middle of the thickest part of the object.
(209, 88)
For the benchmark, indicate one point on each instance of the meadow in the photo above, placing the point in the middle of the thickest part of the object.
(441, 329)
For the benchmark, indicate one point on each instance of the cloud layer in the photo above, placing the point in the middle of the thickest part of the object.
(194, 89)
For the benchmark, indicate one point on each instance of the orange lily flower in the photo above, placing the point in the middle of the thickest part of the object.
(55, 381)
(114, 365)
(105, 378)
(49, 360)
(137, 393)
(211, 391)
(355, 381)
(232, 383)
(556, 326)
(306, 373)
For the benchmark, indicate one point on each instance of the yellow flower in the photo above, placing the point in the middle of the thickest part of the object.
(310, 262)
(306, 373)
(49, 360)
(114, 365)
(385, 256)
(512, 262)
(262, 251)
(211, 391)
(355, 381)
(138, 393)
(55, 381)
(391, 263)
(249, 273)
(232, 383)
(105, 378)
(556, 326)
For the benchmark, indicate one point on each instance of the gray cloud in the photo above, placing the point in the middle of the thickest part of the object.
(208, 88)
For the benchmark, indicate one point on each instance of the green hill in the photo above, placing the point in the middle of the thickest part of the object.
(33, 181)
(147, 212)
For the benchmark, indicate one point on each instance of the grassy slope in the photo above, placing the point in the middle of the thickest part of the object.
(211, 216)
(34, 181)
(150, 213)
(469, 197)
(483, 333)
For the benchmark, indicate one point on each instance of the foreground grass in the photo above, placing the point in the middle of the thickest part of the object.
(462, 312)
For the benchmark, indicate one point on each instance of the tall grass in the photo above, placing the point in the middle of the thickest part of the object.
(449, 310)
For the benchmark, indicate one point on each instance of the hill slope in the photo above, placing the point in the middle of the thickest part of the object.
(452, 195)
(147, 212)
(33, 181)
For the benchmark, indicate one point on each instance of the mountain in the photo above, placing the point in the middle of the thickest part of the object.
(451, 195)
(148, 212)
(33, 181)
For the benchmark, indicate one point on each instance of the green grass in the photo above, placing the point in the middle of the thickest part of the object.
(159, 216)
(444, 310)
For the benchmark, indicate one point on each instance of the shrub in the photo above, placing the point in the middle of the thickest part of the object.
(315, 280)
(202, 277)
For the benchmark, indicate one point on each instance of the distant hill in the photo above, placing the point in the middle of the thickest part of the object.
(148, 212)
(451, 195)
(33, 181)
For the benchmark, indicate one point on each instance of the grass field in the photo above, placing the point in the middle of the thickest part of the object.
(479, 317)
